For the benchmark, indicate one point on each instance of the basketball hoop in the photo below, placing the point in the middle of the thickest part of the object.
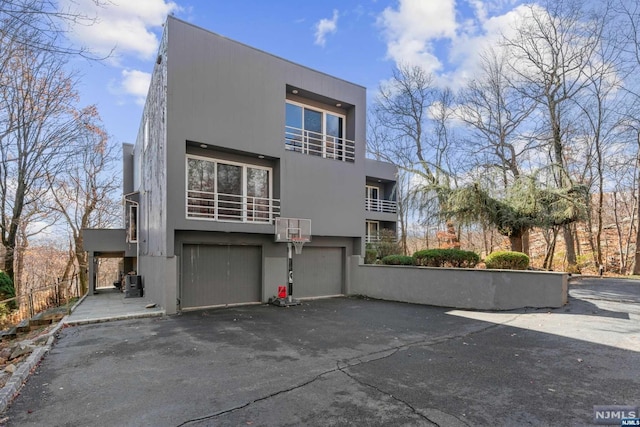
(294, 232)
(298, 243)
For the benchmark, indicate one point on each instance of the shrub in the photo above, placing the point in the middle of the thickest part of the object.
(370, 256)
(507, 260)
(6, 291)
(398, 260)
(388, 244)
(446, 258)
(6, 286)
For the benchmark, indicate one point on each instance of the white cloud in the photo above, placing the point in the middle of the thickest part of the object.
(136, 83)
(411, 29)
(121, 25)
(416, 28)
(467, 47)
(326, 26)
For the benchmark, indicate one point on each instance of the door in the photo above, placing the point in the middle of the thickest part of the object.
(220, 274)
(318, 272)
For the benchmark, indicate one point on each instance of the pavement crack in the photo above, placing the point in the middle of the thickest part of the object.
(260, 399)
(341, 366)
(379, 390)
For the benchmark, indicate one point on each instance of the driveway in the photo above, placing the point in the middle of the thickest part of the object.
(346, 361)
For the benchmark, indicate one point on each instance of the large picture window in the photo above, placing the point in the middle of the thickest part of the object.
(316, 132)
(227, 191)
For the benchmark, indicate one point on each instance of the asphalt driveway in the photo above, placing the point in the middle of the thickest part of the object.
(346, 361)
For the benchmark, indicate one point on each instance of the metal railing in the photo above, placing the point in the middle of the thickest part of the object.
(372, 238)
(231, 207)
(28, 304)
(319, 144)
(379, 205)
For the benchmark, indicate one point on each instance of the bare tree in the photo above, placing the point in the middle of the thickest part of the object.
(402, 109)
(38, 123)
(84, 192)
(551, 55)
(630, 23)
(42, 25)
(496, 113)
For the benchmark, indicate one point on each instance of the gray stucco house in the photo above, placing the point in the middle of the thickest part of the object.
(231, 138)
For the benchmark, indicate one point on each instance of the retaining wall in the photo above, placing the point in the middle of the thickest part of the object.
(459, 288)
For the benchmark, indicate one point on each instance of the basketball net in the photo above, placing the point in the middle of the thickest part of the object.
(298, 243)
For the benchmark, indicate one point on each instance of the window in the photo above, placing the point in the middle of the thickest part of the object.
(316, 132)
(229, 191)
(132, 229)
(145, 133)
(372, 198)
(372, 233)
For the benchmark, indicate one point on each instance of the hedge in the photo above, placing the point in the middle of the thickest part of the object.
(398, 260)
(446, 258)
(507, 260)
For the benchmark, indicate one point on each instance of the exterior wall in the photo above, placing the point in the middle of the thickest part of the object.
(459, 288)
(159, 280)
(107, 240)
(127, 169)
(209, 90)
(381, 170)
(231, 96)
(150, 164)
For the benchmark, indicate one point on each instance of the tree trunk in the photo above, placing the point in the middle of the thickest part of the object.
(525, 242)
(516, 243)
(572, 260)
(636, 258)
(83, 265)
(551, 248)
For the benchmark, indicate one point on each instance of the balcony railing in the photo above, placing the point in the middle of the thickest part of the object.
(372, 238)
(319, 144)
(231, 207)
(378, 205)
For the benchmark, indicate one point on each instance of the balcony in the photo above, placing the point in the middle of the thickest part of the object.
(384, 235)
(372, 238)
(318, 144)
(379, 205)
(231, 207)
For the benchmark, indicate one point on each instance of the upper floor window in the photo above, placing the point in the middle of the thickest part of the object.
(317, 132)
(227, 191)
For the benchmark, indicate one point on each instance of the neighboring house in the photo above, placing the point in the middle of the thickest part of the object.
(230, 139)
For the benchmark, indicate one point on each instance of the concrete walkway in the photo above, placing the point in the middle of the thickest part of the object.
(110, 304)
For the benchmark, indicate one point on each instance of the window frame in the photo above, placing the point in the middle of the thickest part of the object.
(216, 161)
(367, 235)
(324, 112)
(132, 226)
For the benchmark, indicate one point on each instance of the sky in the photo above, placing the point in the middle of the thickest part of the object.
(356, 40)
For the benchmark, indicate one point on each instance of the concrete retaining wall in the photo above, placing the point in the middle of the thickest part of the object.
(459, 288)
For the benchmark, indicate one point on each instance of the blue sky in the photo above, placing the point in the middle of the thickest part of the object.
(356, 40)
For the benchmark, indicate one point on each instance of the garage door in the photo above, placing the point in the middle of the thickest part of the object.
(318, 272)
(220, 274)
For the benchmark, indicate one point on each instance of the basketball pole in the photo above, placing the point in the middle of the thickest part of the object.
(290, 264)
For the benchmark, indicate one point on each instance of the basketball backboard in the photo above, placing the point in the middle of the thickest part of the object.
(293, 230)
